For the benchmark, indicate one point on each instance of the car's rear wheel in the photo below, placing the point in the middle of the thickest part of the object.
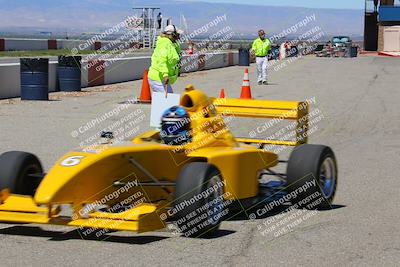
(312, 176)
(20, 172)
(199, 203)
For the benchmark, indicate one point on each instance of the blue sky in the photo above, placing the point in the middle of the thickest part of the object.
(347, 4)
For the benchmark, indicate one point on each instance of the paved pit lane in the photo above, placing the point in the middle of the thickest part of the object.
(359, 102)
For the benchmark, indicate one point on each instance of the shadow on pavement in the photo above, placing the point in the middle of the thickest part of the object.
(332, 207)
(75, 234)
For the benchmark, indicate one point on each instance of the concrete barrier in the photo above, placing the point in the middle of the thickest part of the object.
(109, 71)
(214, 61)
(126, 69)
(70, 44)
(25, 45)
(17, 44)
(10, 79)
(189, 63)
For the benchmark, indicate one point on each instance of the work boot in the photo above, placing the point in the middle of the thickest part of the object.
(259, 82)
(265, 82)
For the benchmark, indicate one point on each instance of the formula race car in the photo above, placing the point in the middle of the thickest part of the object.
(191, 174)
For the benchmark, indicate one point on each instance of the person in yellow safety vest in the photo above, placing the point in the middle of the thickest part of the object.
(164, 62)
(261, 47)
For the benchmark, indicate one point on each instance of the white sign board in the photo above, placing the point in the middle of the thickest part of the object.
(134, 23)
(159, 104)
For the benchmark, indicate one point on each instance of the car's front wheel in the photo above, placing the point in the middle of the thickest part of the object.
(19, 172)
(199, 200)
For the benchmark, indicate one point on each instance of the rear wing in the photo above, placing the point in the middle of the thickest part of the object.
(276, 111)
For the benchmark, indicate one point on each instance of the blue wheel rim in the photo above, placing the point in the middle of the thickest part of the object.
(327, 177)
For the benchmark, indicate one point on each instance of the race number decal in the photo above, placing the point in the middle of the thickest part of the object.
(71, 161)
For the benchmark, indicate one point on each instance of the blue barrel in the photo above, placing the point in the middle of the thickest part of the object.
(274, 53)
(294, 51)
(354, 51)
(244, 57)
(69, 73)
(34, 78)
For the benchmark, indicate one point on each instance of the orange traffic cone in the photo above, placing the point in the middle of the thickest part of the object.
(246, 91)
(222, 93)
(145, 94)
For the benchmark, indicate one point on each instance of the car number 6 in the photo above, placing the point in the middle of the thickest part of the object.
(71, 161)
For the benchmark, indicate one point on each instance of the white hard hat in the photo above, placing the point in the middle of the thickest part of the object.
(170, 29)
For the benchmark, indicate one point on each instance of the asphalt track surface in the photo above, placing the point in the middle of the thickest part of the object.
(359, 99)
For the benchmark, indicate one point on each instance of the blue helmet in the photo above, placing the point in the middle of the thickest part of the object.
(175, 126)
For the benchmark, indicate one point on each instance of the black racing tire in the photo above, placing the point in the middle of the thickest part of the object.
(15, 170)
(313, 168)
(198, 206)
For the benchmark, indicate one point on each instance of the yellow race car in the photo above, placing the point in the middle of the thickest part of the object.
(192, 173)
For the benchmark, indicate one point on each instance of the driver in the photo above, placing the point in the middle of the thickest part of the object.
(175, 126)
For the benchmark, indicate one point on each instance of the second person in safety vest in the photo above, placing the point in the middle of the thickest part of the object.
(260, 49)
(164, 67)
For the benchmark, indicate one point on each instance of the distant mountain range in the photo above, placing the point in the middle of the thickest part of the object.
(76, 16)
